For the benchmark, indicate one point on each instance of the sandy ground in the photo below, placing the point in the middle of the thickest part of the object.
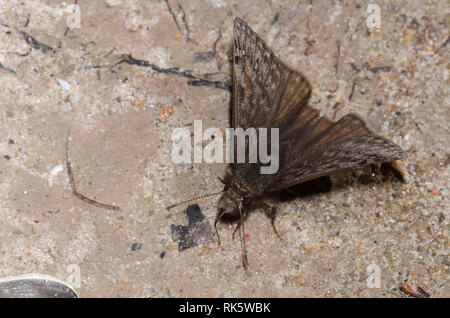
(120, 118)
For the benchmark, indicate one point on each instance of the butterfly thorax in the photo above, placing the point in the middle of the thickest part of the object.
(236, 194)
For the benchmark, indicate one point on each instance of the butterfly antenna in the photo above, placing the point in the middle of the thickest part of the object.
(193, 199)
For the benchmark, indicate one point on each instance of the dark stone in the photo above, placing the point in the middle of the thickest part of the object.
(194, 214)
(136, 246)
(197, 232)
(203, 56)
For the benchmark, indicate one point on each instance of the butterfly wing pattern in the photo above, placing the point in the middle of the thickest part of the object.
(268, 94)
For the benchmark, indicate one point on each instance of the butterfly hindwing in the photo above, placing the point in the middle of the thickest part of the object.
(347, 143)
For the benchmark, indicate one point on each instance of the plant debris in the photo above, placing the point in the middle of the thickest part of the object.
(74, 189)
(127, 58)
(216, 84)
(414, 291)
(35, 44)
(380, 69)
(3, 68)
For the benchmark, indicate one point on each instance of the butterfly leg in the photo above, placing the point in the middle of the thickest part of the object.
(243, 217)
(271, 211)
(242, 234)
(243, 248)
(218, 218)
(221, 180)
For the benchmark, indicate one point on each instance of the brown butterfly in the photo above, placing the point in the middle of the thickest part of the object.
(266, 93)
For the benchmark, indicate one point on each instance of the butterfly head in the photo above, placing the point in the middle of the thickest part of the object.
(229, 203)
(235, 196)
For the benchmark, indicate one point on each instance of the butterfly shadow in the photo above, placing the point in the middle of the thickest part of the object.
(363, 176)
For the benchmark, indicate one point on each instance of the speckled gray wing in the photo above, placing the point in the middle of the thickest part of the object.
(321, 147)
(268, 94)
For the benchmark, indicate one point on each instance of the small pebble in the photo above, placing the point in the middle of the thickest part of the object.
(165, 113)
(203, 56)
(375, 119)
(136, 246)
(26, 228)
(194, 213)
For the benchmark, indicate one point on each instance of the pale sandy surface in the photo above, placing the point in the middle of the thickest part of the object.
(120, 148)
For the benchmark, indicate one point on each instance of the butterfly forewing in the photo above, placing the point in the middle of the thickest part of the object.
(268, 94)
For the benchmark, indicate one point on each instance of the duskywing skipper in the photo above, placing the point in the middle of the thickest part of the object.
(266, 93)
